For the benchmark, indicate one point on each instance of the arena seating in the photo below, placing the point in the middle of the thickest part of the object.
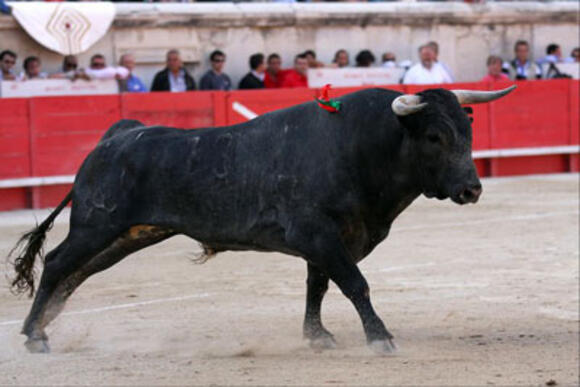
(50, 136)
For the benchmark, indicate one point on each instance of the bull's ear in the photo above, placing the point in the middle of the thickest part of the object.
(469, 111)
(407, 104)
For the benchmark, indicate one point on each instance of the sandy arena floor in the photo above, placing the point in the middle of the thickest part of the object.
(475, 295)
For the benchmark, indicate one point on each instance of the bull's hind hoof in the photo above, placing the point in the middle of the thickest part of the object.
(383, 347)
(323, 342)
(37, 346)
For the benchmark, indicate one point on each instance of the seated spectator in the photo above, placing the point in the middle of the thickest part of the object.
(255, 78)
(274, 73)
(296, 77)
(389, 60)
(174, 77)
(341, 59)
(494, 72)
(215, 78)
(311, 58)
(98, 69)
(435, 46)
(553, 55)
(522, 68)
(7, 62)
(365, 58)
(70, 69)
(426, 71)
(574, 56)
(32, 69)
(132, 83)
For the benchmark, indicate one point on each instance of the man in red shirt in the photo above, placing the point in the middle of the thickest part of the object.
(296, 77)
(274, 73)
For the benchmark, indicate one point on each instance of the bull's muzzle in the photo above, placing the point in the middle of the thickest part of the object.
(470, 194)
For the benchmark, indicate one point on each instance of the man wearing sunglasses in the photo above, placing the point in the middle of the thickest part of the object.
(7, 62)
(216, 79)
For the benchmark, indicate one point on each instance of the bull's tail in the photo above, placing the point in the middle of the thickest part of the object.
(28, 247)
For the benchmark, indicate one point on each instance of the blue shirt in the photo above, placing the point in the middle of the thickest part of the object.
(213, 81)
(134, 85)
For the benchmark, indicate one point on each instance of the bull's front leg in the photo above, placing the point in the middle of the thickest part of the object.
(353, 285)
(325, 250)
(314, 331)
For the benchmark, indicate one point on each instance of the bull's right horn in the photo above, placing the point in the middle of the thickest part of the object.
(474, 96)
(407, 104)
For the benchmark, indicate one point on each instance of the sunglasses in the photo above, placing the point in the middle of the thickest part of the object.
(218, 60)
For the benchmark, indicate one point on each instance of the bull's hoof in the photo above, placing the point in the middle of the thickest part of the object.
(37, 346)
(383, 347)
(323, 341)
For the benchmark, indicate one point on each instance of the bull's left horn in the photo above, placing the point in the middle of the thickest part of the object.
(407, 104)
(474, 96)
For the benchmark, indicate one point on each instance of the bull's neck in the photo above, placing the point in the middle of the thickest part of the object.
(392, 184)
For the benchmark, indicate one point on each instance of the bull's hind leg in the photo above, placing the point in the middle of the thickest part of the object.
(68, 268)
(317, 285)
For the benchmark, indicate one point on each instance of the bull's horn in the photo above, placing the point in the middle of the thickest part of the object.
(473, 96)
(407, 104)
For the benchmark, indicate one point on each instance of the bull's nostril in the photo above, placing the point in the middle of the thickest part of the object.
(471, 195)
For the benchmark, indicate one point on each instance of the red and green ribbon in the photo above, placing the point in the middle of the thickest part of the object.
(326, 103)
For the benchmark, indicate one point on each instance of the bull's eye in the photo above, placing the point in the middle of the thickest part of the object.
(433, 138)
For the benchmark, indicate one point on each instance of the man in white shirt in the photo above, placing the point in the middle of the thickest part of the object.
(98, 69)
(435, 46)
(427, 71)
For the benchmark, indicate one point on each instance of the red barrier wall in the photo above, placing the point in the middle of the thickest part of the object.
(50, 136)
(182, 110)
(14, 150)
(264, 101)
(63, 131)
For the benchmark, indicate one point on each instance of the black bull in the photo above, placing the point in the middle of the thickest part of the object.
(302, 181)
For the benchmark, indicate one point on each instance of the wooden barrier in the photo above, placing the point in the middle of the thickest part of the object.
(14, 151)
(51, 136)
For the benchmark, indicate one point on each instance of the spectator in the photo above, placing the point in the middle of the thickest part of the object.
(494, 72)
(574, 56)
(32, 69)
(255, 78)
(553, 55)
(70, 69)
(70, 63)
(274, 74)
(296, 77)
(522, 68)
(132, 83)
(435, 46)
(389, 60)
(426, 71)
(7, 61)
(341, 59)
(174, 77)
(216, 79)
(365, 58)
(98, 69)
(311, 58)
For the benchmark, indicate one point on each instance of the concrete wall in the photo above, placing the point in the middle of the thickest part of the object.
(467, 34)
